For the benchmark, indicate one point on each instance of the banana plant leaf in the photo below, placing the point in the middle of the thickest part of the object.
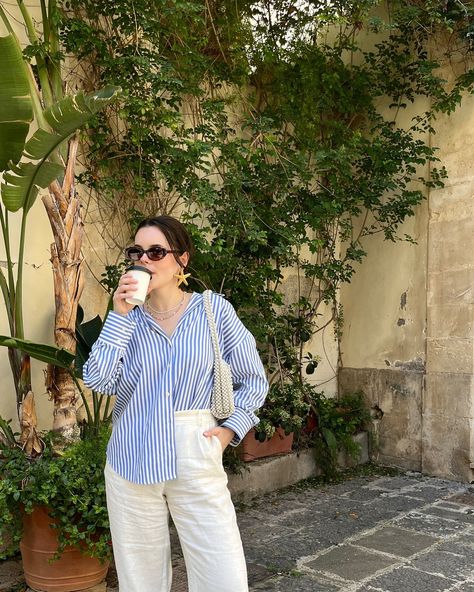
(21, 184)
(25, 180)
(40, 351)
(16, 110)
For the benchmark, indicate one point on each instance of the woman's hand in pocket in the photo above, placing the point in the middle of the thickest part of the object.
(224, 435)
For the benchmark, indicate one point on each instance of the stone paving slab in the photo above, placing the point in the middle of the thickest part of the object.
(351, 563)
(296, 583)
(460, 545)
(282, 554)
(429, 524)
(406, 579)
(456, 566)
(466, 498)
(371, 533)
(11, 573)
(397, 541)
(458, 515)
(396, 483)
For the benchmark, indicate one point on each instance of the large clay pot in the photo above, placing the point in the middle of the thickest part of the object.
(250, 448)
(73, 571)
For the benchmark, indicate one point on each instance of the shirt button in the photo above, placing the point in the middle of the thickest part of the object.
(168, 394)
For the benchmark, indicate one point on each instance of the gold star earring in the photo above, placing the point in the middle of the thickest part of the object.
(181, 277)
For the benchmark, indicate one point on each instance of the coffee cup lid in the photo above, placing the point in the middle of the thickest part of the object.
(138, 268)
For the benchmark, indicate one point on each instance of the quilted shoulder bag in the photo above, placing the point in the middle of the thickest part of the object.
(222, 401)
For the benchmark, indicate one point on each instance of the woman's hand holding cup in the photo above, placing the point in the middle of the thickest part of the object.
(132, 289)
(126, 288)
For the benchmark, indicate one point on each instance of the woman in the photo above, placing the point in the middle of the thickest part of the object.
(165, 452)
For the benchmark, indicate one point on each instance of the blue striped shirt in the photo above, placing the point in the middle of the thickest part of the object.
(154, 375)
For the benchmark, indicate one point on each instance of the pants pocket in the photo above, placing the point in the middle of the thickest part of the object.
(210, 446)
(217, 443)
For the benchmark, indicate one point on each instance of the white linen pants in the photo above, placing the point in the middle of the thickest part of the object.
(202, 511)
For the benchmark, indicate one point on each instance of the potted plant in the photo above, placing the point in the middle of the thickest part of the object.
(54, 507)
(53, 504)
(283, 414)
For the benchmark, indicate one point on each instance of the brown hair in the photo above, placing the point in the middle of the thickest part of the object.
(175, 232)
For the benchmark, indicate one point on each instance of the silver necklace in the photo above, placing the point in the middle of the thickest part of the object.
(163, 315)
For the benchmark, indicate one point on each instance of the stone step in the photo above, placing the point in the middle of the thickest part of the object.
(272, 473)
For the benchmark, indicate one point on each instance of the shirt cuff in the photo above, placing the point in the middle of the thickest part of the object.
(241, 421)
(117, 330)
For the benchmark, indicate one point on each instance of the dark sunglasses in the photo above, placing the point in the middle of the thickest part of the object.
(153, 253)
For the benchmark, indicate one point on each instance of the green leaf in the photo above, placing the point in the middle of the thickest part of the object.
(40, 351)
(21, 184)
(330, 440)
(86, 335)
(16, 110)
(7, 431)
(89, 331)
(24, 180)
(40, 143)
(74, 111)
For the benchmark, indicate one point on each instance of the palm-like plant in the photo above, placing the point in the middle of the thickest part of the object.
(27, 166)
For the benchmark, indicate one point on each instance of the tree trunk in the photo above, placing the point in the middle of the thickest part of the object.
(64, 212)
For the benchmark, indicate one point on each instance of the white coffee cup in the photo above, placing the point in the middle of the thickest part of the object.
(143, 275)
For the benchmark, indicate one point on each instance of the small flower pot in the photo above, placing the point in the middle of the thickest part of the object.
(251, 449)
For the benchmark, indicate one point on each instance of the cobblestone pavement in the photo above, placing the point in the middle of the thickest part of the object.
(373, 534)
(368, 534)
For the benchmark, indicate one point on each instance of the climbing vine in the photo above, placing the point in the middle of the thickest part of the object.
(271, 128)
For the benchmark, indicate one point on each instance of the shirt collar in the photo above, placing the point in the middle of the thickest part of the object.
(195, 300)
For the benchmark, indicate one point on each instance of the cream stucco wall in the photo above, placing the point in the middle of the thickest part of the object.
(384, 337)
(38, 299)
(385, 303)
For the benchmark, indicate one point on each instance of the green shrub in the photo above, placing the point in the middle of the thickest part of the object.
(71, 485)
(285, 407)
(338, 420)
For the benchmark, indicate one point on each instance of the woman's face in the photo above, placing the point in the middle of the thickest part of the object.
(162, 271)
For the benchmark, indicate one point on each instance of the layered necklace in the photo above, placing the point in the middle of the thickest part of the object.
(164, 315)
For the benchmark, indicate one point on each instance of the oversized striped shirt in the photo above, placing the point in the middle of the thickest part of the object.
(154, 375)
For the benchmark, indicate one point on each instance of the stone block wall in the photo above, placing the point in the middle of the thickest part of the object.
(448, 406)
(395, 396)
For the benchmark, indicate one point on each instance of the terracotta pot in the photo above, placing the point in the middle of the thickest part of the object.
(72, 571)
(250, 448)
(311, 423)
